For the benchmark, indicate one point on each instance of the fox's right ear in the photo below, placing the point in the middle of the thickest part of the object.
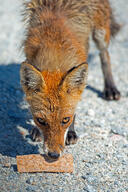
(75, 79)
(31, 78)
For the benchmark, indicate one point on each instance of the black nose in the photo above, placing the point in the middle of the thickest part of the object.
(53, 155)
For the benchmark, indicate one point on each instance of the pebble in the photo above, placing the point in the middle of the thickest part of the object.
(7, 165)
(125, 145)
(91, 113)
(89, 188)
(30, 181)
(32, 189)
(120, 131)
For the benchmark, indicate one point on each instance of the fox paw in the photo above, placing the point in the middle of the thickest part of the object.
(36, 135)
(111, 93)
(71, 138)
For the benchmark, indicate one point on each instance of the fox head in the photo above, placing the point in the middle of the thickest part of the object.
(53, 97)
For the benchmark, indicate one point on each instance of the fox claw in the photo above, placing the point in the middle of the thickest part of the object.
(111, 94)
(71, 138)
(36, 135)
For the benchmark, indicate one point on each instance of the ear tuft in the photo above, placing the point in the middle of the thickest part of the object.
(31, 78)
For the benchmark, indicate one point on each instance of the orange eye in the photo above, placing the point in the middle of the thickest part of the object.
(66, 120)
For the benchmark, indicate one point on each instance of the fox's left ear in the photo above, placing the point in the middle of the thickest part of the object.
(31, 78)
(75, 78)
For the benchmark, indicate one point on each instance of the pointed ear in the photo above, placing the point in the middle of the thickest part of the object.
(31, 78)
(75, 78)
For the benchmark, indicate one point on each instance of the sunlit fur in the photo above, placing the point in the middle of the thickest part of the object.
(56, 48)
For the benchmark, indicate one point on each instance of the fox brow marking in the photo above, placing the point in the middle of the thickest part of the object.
(52, 107)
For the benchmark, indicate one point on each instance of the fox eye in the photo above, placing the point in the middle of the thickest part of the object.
(66, 120)
(42, 121)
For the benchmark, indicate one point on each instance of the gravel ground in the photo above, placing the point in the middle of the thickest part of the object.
(101, 154)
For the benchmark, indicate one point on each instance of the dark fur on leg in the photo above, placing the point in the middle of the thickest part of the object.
(36, 135)
(110, 90)
(71, 135)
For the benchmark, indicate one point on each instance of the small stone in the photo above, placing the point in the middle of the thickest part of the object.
(32, 188)
(91, 113)
(125, 145)
(119, 131)
(89, 188)
(115, 182)
(84, 177)
(30, 181)
(7, 165)
(91, 179)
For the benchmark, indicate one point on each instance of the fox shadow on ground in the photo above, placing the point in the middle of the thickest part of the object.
(98, 92)
(13, 115)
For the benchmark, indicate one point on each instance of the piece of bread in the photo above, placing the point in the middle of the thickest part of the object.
(39, 163)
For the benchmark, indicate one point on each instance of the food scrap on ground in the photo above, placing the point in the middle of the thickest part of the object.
(39, 163)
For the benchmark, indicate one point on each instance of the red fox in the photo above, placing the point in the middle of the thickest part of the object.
(54, 74)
